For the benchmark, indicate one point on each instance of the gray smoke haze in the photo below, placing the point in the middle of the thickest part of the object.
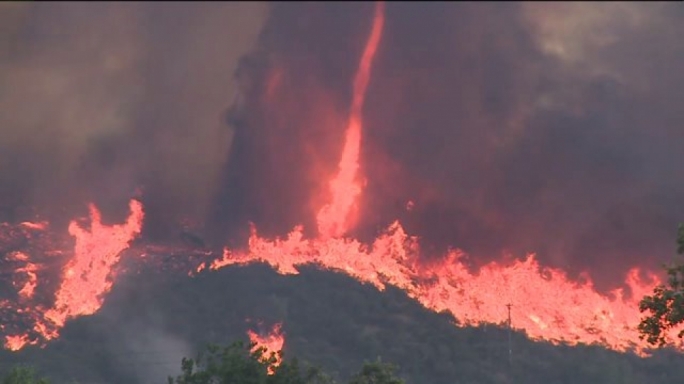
(553, 128)
(540, 127)
(100, 99)
(158, 353)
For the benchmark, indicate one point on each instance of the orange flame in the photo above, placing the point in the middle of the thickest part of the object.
(272, 343)
(334, 218)
(15, 343)
(546, 303)
(36, 226)
(30, 279)
(29, 287)
(86, 277)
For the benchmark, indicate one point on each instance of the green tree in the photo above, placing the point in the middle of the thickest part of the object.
(376, 373)
(666, 306)
(22, 375)
(236, 364)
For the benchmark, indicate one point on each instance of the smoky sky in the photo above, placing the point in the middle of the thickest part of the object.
(553, 128)
(512, 128)
(101, 102)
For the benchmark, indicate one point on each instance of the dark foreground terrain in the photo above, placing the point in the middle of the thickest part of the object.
(150, 321)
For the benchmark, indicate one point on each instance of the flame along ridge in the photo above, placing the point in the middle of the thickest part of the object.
(546, 303)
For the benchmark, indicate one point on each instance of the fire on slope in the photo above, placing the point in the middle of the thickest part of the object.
(272, 344)
(334, 218)
(85, 279)
(546, 303)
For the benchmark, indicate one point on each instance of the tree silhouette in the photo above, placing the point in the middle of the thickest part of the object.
(666, 306)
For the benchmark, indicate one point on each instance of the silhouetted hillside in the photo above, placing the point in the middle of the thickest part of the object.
(150, 321)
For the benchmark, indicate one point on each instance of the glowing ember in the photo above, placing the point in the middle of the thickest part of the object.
(37, 226)
(31, 279)
(15, 343)
(272, 343)
(334, 218)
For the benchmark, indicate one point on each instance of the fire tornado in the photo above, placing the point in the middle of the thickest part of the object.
(334, 219)
(485, 155)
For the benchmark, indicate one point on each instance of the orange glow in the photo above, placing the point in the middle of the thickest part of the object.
(37, 226)
(334, 218)
(15, 343)
(29, 287)
(545, 302)
(86, 277)
(27, 278)
(272, 343)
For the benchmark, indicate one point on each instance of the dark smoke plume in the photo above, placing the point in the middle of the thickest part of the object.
(290, 118)
(513, 128)
(101, 102)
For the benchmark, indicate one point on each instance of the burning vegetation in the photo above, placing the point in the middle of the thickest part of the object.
(54, 278)
(271, 344)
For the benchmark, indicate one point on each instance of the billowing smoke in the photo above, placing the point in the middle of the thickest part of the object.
(290, 117)
(103, 102)
(149, 342)
(512, 128)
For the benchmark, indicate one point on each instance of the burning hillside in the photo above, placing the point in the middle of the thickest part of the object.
(370, 140)
(85, 278)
